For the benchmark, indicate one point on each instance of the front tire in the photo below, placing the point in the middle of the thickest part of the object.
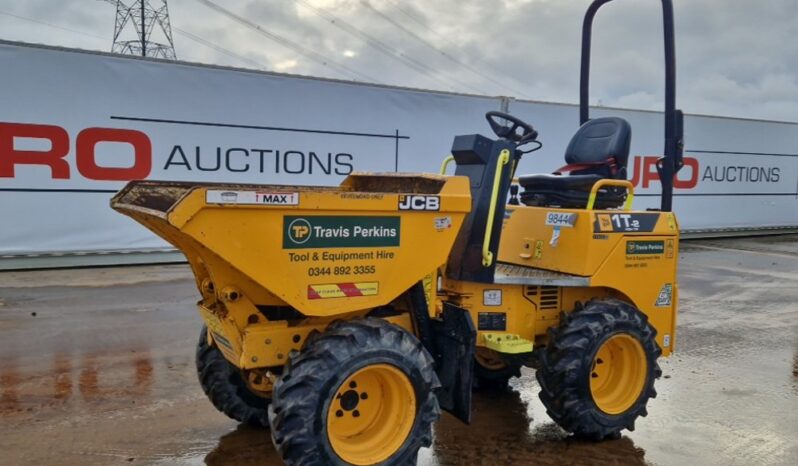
(360, 393)
(225, 386)
(599, 368)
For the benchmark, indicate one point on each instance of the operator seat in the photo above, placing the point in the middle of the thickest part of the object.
(598, 150)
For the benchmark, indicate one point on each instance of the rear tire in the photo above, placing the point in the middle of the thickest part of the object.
(225, 386)
(599, 368)
(362, 393)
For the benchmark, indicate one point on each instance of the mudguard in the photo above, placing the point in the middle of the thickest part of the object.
(455, 340)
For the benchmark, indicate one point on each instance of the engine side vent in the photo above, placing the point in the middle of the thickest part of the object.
(549, 297)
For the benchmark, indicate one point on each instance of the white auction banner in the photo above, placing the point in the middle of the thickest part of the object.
(76, 125)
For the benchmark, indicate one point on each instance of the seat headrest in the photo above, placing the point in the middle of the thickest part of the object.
(599, 139)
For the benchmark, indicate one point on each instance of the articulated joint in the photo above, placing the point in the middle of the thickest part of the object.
(230, 294)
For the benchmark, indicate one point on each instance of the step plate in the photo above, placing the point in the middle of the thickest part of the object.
(508, 274)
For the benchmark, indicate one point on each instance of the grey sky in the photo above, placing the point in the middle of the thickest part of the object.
(735, 57)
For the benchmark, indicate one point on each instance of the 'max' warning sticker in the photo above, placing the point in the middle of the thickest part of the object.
(624, 223)
(343, 290)
(665, 296)
(216, 196)
(325, 231)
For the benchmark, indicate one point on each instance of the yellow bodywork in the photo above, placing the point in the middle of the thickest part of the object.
(593, 256)
(329, 253)
(275, 263)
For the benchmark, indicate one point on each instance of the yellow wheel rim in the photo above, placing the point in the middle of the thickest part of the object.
(371, 415)
(618, 374)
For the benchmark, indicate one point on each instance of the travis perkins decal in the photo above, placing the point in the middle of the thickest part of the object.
(340, 232)
(644, 247)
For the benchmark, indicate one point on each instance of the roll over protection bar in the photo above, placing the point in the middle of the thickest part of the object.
(671, 162)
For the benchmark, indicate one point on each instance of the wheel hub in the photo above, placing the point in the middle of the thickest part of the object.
(349, 400)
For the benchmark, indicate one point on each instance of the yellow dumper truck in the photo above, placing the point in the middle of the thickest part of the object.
(344, 318)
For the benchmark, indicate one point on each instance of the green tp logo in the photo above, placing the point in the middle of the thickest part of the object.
(299, 231)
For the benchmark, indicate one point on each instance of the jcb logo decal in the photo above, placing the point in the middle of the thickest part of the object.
(604, 222)
(414, 202)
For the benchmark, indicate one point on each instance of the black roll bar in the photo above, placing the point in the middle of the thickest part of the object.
(671, 163)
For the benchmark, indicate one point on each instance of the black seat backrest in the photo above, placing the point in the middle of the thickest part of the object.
(596, 141)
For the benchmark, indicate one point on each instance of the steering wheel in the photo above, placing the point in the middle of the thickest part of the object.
(511, 132)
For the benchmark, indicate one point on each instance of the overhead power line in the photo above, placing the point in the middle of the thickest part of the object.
(184, 33)
(413, 17)
(432, 46)
(382, 47)
(55, 26)
(218, 48)
(421, 22)
(207, 43)
(285, 42)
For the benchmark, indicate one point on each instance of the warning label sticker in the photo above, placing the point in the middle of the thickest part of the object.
(343, 290)
(665, 297)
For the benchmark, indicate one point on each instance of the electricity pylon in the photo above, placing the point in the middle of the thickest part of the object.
(149, 19)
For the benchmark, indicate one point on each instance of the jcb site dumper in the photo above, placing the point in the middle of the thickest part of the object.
(345, 318)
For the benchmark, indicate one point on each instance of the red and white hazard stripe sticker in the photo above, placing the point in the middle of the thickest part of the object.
(343, 290)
